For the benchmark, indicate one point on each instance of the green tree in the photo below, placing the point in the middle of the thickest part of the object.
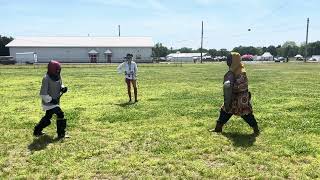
(185, 50)
(203, 50)
(272, 50)
(223, 52)
(289, 43)
(264, 49)
(213, 52)
(159, 50)
(314, 48)
(4, 51)
(246, 50)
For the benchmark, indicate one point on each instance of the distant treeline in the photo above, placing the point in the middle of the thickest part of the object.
(288, 49)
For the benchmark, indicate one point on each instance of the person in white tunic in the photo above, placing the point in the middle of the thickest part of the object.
(130, 70)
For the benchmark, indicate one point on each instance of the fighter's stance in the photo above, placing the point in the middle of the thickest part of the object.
(50, 94)
(236, 95)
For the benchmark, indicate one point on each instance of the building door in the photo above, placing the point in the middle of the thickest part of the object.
(109, 58)
(93, 58)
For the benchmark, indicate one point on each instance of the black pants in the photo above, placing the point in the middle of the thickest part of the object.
(46, 121)
(224, 117)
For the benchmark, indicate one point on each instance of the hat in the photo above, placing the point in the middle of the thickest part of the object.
(129, 55)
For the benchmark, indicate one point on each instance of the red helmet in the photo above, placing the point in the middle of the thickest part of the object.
(54, 68)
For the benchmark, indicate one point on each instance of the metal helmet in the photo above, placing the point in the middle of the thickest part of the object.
(54, 68)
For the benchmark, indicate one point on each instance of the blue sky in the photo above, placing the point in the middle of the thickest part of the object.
(173, 23)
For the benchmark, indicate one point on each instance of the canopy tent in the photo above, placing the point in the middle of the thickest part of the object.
(247, 57)
(186, 57)
(267, 56)
(315, 58)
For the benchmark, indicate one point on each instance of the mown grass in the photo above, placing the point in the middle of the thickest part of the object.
(165, 134)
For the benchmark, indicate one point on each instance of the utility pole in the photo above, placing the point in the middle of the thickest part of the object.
(306, 48)
(119, 29)
(201, 41)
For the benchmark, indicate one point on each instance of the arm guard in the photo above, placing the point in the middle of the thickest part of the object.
(227, 91)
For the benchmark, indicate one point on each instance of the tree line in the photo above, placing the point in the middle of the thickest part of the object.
(4, 51)
(288, 49)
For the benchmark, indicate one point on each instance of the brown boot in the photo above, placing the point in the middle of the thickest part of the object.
(218, 127)
(256, 130)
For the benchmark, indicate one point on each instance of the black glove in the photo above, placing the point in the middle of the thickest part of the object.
(64, 89)
(54, 101)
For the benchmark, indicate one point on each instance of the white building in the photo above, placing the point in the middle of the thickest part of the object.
(84, 49)
(186, 57)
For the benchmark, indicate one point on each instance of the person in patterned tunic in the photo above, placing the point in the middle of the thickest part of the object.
(237, 96)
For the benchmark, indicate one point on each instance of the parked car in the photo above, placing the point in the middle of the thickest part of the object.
(7, 60)
(279, 59)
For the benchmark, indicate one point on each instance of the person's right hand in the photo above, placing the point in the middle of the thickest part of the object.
(64, 89)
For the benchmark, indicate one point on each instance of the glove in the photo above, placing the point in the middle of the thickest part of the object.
(227, 107)
(54, 101)
(64, 89)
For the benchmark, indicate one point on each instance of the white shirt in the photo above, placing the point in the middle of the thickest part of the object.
(130, 69)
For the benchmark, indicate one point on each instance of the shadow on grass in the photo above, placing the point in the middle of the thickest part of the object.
(125, 104)
(154, 99)
(41, 143)
(240, 140)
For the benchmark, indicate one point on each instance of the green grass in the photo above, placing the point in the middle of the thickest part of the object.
(165, 134)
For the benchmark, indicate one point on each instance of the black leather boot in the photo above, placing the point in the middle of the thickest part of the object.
(61, 126)
(218, 127)
(256, 130)
(44, 122)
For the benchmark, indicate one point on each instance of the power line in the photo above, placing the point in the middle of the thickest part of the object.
(201, 41)
(306, 53)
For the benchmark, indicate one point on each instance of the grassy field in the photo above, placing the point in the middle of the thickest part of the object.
(166, 133)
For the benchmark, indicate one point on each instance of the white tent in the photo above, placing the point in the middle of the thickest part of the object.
(267, 56)
(185, 57)
(298, 56)
(315, 58)
(257, 58)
